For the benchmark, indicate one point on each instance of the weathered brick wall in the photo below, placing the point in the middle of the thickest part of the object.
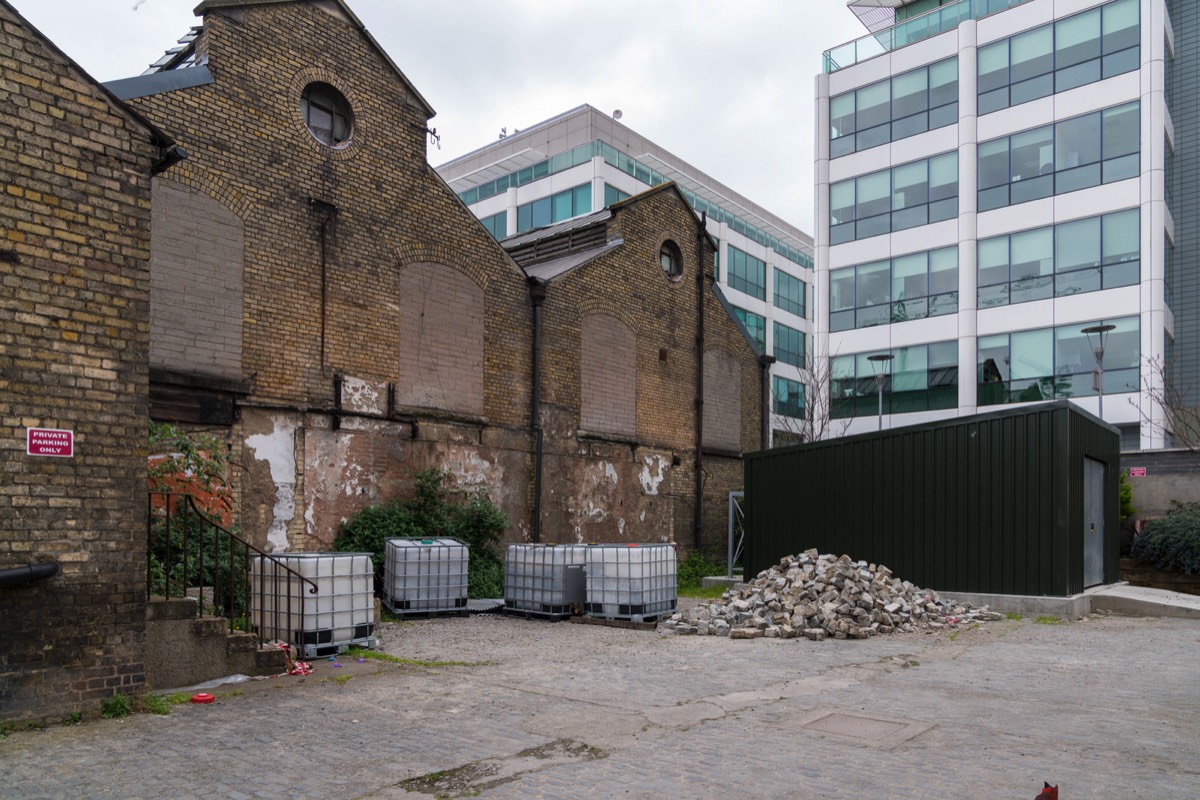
(1171, 476)
(413, 292)
(441, 331)
(74, 319)
(608, 488)
(722, 400)
(608, 376)
(196, 284)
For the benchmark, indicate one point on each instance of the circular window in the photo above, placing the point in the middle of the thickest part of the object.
(326, 114)
(670, 259)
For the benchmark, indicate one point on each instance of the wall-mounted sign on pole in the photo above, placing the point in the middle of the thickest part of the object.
(49, 442)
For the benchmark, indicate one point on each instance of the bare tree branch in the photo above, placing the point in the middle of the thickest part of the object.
(1176, 420)
(816, 421)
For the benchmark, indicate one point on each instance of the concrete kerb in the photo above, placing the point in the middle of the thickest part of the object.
(1117, 598)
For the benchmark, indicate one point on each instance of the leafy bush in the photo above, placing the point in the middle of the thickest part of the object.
(1172, 542)
(695, 567)
(435, 511)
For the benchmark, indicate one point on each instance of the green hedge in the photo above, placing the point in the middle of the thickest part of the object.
(1172, 542)
(435, 512)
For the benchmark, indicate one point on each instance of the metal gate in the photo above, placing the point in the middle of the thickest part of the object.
(737, 531)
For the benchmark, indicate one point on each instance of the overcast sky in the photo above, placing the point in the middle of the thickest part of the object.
(726, 86)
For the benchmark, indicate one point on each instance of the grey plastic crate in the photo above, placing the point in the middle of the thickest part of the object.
(635, 582)
(544, 580)
(340, 614)
(425, 576)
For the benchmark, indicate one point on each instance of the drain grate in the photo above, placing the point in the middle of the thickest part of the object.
(866, 728)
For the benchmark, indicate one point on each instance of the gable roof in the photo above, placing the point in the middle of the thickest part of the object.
(216, 5)
(158, 136)
(669, 186)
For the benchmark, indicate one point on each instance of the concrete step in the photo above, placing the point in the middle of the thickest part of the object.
(1125, 599)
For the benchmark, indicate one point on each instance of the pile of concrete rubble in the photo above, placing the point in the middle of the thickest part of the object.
(820, 596)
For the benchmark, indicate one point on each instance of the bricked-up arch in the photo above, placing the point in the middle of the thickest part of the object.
(196, 260)
(722, 401)
(608, 376)
(441, 339)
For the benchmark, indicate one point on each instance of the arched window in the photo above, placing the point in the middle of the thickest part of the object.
(326, 114)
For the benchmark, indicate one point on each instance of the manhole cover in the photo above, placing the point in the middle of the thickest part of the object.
(856, 727)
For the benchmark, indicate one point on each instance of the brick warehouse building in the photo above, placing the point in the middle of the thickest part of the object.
(625, 332)
(319, 293)
(74, 330)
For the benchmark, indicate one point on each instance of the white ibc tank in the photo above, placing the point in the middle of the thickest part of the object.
(425, 575)
(341, 612)
(630, 581)
(537, 578)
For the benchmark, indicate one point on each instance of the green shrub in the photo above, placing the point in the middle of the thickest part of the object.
(434, 512)
(116, 707)
(1172, 542)
(1127, 509)
(156, 704)
(694, 568)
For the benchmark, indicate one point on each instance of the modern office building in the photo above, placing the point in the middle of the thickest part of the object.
(585, 160)
(994, 177)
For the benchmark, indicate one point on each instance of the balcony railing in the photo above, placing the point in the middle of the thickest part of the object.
(917, 29)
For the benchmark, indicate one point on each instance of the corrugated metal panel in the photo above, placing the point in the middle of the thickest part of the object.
(991, 503)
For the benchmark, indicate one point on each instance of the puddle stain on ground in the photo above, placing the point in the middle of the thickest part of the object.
(471, 779)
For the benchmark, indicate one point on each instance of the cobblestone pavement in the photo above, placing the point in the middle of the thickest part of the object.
(1106, 707)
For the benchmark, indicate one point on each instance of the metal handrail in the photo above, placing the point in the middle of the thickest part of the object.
(230, 561)
(912, 30)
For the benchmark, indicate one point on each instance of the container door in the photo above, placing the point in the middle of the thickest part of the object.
(1093, 522)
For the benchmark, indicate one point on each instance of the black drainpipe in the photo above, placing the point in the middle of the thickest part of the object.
(328, 212)
(32, 572)
(701, 275)
(537, 293)
(764, 363)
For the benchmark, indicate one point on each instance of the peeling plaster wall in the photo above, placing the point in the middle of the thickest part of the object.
(362, 464)
(608, 493)
(274, 447)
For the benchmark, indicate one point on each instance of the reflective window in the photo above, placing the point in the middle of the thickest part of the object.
(894, 199)
(910, 103)
(789, 345)
(919, 378)
(787, 397)
(904, 288)
(746, 273)
(613, 195)
(497, 225)
(789, 293)
(1077, 153)
(640, 172)
(1086, 255)
(670, 259)
(1053, 363)
(555, 208)
(756, 326)
(326, 114)
(1070, 52)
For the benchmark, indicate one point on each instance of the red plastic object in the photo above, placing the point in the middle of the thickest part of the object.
(203, 697)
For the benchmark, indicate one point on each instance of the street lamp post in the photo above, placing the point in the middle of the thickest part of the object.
(1101, 332)
(879, 363)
